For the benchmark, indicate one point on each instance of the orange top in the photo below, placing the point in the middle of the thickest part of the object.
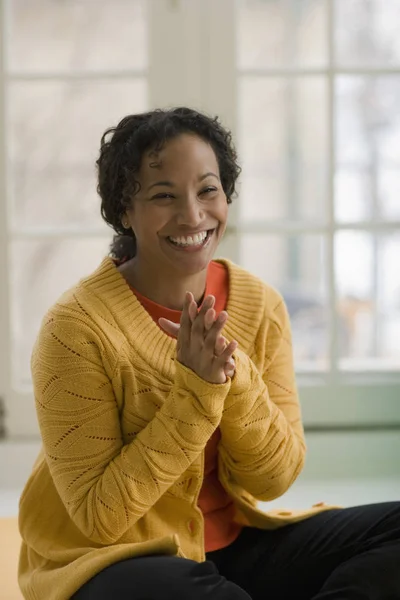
(214, 502)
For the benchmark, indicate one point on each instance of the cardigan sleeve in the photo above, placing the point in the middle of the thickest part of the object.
(262, 437)
(107, 486)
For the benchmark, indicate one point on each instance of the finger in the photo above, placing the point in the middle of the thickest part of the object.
(231, 362)
(229, 350)
(220, 345)
(209, 319)
(193, 310)
(198, 324)
(229, 370)
(230, 366)
(208, 302)
(213, 334)
(169, 327)
(184, 333)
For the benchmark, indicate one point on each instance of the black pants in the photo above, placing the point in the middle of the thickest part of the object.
(349, 554)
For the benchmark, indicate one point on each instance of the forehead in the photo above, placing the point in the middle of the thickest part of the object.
(185, 154)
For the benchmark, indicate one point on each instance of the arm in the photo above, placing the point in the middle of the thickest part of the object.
(262, 439)
(107, 486)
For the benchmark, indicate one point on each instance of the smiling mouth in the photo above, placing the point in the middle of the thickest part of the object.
(191, 247)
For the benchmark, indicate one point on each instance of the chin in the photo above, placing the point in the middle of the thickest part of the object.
(192, 267)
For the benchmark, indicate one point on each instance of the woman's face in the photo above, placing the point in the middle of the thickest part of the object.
(180, 213)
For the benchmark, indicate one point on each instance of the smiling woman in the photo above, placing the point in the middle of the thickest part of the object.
(181, 172)
(155, 449)
(178, 223)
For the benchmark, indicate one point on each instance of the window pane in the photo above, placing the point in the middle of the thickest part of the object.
(40, 272)
(389, 190)
(55, 130)
(49, 35)
(283, 142)
(367, 148)
(367, 32)
(368, 283)
(282, 33)
(353, 194)
(296, 266)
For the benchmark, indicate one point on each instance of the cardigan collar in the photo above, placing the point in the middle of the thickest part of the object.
(245, 307)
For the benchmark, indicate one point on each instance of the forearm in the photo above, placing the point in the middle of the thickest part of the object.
(262, 447)
(104, 485)
(137, 477)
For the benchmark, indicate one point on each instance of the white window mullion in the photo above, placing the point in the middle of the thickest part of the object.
(48, 233)
(175, 74)
(304, 227)
(20, 412)
(5, 355)
(235, 228)
(307, 72)
(220, 94)
(77, 75)
(332, 299)
(195, 67)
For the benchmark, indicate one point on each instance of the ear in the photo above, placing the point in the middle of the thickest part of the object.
(125, 221)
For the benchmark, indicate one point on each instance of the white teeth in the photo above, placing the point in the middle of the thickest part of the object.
(191, 240)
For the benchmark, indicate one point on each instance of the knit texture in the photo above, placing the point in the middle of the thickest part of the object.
(124, 426)
(217, 507)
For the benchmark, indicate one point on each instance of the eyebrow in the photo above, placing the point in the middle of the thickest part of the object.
(170, 184)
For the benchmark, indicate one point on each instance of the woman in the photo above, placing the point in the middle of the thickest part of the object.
(155, 451)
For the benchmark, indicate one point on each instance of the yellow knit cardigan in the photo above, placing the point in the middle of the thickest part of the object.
(124, 426)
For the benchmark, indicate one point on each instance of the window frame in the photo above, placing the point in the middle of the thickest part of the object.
(336, 399)
(196, 78)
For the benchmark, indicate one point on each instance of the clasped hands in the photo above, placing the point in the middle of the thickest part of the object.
(200, 345)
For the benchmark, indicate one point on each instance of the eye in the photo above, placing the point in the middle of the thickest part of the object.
(162, 196)
(209, 190)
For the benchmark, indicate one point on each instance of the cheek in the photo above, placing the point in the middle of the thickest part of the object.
(149, 222)
(222, 210)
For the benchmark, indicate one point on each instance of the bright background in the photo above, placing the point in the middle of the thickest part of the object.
(311, 92)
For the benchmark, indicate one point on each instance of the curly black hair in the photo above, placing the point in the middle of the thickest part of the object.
(121, 155)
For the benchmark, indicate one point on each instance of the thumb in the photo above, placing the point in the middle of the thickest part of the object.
(169, 327)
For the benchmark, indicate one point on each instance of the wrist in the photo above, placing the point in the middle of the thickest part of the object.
(242, 379)
(211, 396)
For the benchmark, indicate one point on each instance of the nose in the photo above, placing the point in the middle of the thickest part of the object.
(189, 212)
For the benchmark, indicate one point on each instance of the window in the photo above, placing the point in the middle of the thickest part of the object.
(310, 89)
(70, 70)
(318, 128)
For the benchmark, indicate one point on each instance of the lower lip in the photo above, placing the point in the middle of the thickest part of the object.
(193, 248)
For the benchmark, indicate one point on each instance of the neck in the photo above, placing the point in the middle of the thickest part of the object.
(167, 289)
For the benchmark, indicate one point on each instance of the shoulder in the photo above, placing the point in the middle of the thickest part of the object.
(262, 298)
(81, 312)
